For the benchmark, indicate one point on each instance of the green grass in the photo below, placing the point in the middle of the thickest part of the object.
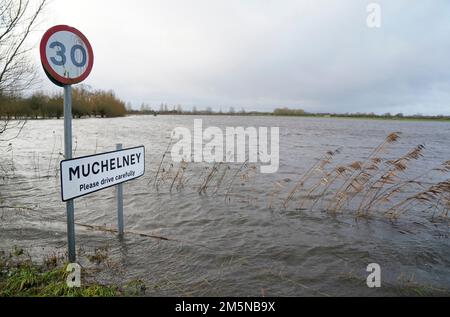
(20, 277)
(27, 280)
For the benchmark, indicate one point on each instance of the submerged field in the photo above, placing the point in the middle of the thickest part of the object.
(348, 193)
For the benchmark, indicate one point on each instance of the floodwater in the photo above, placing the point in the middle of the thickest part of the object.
(229, 245)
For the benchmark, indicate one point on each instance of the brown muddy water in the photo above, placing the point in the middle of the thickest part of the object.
(231, 245)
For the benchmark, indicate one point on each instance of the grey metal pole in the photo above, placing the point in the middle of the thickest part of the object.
(68, 155)
(120, 202)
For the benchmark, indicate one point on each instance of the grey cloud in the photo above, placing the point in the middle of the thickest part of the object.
(318, 55)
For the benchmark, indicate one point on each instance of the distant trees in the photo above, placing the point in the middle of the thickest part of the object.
(146, 109)
(362, 115)
(209, 111)
(105, 104)
(85, 103)
(166, 109)
(288, 112)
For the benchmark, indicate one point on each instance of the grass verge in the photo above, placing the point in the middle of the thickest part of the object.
(20, 277)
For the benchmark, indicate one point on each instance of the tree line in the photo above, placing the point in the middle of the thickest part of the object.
(85, 103)
(165, 109)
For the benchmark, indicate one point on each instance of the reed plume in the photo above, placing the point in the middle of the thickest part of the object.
(428, 196)
(318, 166)
(387, 195)
(390, 177)
(161, 163)
(208, 179)
(278, 187)
(179, 175)
(230, 186)
(356, 182)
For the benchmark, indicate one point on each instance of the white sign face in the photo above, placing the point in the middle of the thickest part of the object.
(66, 55)
(85, 175)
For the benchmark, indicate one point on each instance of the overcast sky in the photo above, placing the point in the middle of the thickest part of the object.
(260, 54)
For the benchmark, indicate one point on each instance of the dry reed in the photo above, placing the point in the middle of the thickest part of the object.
(375, 184)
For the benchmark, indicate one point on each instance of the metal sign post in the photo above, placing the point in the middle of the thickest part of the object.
(68, 155)
(67, 59)
(120, 202)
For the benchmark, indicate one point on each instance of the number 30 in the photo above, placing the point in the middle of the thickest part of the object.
(61, 53)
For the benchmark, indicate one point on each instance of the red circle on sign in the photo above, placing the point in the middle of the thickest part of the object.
(54, 76)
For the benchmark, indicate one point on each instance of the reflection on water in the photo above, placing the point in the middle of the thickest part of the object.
(225, 240)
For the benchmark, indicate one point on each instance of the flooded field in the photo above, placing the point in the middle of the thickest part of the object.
(292, 233)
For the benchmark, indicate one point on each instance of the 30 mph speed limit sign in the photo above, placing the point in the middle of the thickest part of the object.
(66, 55)
(67, 58)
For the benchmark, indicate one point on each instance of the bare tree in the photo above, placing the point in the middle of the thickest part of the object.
(18, 18)
(15, 127)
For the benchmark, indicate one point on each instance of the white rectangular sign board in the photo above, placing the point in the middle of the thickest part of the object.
(85, 175)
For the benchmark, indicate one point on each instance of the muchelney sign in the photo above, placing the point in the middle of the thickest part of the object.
(85, 175)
